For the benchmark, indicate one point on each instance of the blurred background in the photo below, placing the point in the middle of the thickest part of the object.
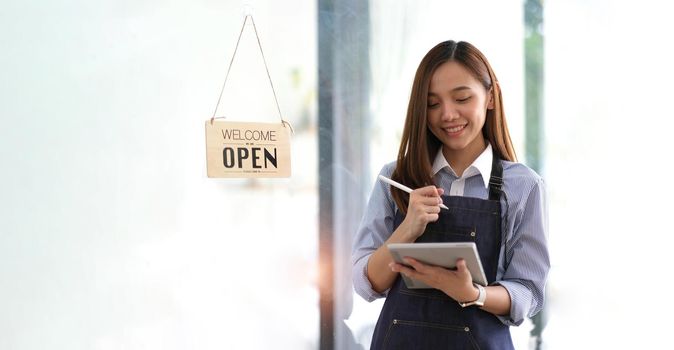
(112, 236)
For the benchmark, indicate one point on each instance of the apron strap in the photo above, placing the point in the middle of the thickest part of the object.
(496, 178)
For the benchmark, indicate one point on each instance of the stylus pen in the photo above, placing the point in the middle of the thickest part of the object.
(403, 187)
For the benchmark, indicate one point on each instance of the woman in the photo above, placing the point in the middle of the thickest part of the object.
(456, 150)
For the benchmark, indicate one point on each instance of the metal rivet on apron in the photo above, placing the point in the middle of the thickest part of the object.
(395, 321)
(467, 329)
(472, 234)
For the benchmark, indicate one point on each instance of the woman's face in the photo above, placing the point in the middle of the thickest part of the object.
(457, 108)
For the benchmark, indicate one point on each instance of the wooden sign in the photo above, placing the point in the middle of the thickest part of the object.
(241, 149)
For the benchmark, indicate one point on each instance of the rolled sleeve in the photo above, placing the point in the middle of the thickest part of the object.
(520, 296)
(361, 283)
(527, 258)
(375, 228)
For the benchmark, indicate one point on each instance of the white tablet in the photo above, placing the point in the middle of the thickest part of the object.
(440, 254)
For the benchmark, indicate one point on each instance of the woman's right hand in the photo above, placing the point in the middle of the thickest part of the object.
(423, 207)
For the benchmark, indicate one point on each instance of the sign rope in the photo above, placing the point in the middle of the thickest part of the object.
(231, 62)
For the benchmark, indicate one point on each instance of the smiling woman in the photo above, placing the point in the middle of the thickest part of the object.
(457, 108)
(448, 67)
(455, 141)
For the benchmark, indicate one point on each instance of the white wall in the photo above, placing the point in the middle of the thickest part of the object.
(111, 236)
(609, 119)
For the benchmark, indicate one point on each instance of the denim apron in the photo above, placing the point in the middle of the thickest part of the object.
(428, 318)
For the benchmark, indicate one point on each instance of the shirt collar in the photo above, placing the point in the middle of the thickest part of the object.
(481, 165)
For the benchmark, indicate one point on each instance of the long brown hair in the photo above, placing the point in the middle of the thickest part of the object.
(418, 145)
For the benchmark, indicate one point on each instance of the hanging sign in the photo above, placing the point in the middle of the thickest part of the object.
(247, 149)
(237, 149)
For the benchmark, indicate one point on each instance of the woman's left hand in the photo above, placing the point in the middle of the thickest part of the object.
(458, 284)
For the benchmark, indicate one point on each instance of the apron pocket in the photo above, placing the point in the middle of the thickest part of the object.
(436, 232)
(419, 335)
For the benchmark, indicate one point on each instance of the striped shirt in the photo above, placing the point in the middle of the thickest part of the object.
(523, 261)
